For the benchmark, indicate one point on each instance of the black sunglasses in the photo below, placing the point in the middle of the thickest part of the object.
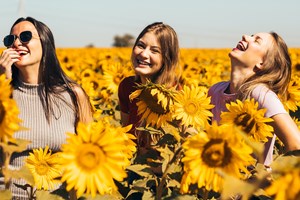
(24, 37)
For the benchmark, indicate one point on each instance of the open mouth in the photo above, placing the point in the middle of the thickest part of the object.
(22, 53)
(140, 62)
(240, 46)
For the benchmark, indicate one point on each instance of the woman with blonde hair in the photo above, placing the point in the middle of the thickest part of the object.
(260, 69)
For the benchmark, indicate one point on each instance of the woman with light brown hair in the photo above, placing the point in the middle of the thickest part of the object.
(155, 57)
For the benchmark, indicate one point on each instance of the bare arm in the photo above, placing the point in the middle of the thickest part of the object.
(85, 107)
(7, 59)
(287, 131)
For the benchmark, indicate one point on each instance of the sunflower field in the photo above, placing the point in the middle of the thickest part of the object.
(190, 158)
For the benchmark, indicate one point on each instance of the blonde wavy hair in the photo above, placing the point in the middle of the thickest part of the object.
(275, 72)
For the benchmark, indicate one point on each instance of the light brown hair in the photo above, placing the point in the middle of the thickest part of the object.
(167, 37)
(275, 73)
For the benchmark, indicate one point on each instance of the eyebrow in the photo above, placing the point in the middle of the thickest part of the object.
(155, 47)
(256, 37)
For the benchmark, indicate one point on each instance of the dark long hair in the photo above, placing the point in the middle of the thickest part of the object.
(51, 75)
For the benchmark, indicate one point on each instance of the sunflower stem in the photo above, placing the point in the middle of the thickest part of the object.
(205, 195)
(161, 184)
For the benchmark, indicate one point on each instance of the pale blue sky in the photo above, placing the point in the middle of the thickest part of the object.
(198, 23)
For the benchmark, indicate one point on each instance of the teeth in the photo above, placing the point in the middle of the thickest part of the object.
(240, 47)
(23, 52)
(143, 63)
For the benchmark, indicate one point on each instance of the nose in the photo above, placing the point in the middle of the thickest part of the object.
(145, 52)
(245, 37)
(17, 42)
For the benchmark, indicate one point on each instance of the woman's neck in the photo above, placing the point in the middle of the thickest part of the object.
(29, 75)
(238, 76)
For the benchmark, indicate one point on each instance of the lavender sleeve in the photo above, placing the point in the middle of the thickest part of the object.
(269, 100)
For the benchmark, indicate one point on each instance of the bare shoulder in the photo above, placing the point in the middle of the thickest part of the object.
(85, 107)
(79, 91)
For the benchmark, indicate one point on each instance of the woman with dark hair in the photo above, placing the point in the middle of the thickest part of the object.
(50, 103)
(260, 69)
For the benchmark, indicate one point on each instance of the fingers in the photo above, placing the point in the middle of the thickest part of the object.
(7, 59)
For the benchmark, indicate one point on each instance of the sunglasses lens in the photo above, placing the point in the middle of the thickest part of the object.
(9, 40)
(25, 36)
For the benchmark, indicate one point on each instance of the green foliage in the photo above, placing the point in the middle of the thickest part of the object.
(123, 41)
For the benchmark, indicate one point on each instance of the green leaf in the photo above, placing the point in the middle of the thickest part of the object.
(102, 197)
(293, 153)
(150, 130)
(173, 183)
(182, 197)
(142, 184)
(147, 195)
(166, 155)
(142, 170)
(5, 195)
(42, 195)
(19, 146)
(234, 186)
(258, 147)
(23, 173)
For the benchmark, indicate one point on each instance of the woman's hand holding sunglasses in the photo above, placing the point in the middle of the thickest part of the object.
(7, 59)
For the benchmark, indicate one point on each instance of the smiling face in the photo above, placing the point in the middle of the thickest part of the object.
(31, 52)
(251, 50)
(147, 57)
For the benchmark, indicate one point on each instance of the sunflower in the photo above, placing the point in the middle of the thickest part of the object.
(286, 175)
(286, 187)
(293, 97)
(45, 168)
(192, 106)
(219, 148)
(9, 121)
(249, 118)
(91, 85)
(297, 122)
(154, 103)
(128, 138)
(95, 157)
(113, 75)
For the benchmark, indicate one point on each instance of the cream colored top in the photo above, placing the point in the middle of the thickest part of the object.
(40, 133)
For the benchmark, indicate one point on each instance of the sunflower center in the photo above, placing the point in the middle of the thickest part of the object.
(191, 107)
(216, 153)
(90, 156)
(152, 102)
(42, 168)
(95, 85)
(246, 121)
(117, 79)
(2, 112)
